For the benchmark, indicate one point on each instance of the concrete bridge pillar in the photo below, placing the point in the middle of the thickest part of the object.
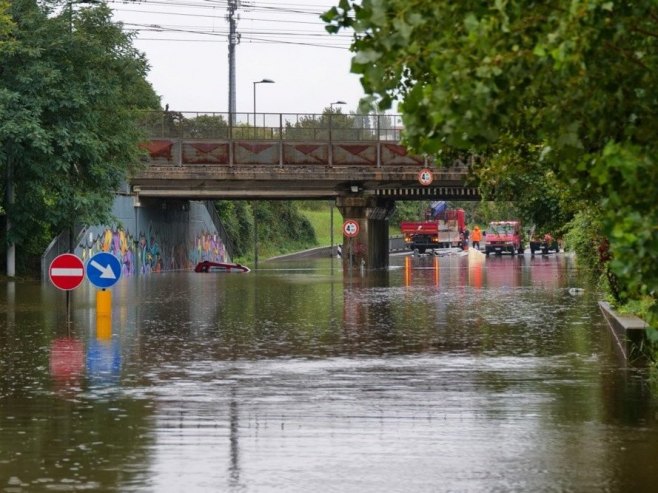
(369, 248)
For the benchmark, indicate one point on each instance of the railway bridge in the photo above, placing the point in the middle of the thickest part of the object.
(355, 160)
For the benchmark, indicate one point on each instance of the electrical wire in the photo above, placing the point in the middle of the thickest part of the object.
(253, 34)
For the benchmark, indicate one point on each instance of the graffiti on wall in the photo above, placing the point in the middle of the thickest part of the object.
(152, 251)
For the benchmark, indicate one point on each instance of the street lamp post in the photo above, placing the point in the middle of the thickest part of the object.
(331, 105)
(264, 81)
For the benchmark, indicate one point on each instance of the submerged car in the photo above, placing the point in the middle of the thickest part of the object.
(208, 266)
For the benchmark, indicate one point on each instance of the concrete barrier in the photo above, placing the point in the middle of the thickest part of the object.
(629, 333)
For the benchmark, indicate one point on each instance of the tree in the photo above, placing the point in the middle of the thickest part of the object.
(5, 24)
(71, 83)
(573, 81)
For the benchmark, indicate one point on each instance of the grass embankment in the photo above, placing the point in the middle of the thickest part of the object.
(320, 219)
(321, 222)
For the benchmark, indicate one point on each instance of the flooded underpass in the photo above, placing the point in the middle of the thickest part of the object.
(454, 373)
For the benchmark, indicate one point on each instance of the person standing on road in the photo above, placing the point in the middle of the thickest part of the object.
(466, 233)
(476, 236)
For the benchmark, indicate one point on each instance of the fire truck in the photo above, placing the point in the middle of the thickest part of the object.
(442, 228)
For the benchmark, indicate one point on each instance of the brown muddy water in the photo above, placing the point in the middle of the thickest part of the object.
(442, 374)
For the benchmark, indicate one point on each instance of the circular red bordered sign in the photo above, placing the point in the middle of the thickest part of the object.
(66, 271)
(425, 176)
(350, 228)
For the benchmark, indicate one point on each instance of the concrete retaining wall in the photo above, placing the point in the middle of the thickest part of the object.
(629, 333)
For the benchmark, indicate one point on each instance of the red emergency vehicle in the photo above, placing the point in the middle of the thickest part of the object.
(442, 228)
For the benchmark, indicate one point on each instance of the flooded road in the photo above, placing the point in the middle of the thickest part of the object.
(442, 374)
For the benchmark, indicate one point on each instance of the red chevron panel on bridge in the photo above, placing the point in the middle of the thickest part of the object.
(355, 154)
(160, 150)
(396, 155)
(256, 153)
(306, 153)
(205, 153)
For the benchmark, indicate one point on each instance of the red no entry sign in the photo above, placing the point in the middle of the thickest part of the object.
(66, 271)
(350, 228)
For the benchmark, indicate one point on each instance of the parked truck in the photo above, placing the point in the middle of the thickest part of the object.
(503, 237)
(545, 243)
(442, 228)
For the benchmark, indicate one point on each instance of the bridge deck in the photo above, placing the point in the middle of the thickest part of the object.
(206, 158)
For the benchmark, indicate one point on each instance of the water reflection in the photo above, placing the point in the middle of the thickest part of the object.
(459, 373)
(67, 362)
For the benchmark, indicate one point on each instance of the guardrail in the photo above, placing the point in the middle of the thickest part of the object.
(326, 127)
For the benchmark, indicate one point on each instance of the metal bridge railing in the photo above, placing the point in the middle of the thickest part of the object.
(271, 126)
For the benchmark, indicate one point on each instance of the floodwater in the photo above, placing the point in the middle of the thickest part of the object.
(442, 374)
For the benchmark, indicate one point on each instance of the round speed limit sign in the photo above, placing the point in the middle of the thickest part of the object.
(425, 176)
(350, 228)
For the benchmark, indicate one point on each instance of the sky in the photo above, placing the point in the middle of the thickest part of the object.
(186, 44)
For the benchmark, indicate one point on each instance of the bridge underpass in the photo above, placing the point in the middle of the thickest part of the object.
(355, 160)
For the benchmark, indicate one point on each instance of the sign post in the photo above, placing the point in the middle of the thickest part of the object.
(103, 271)
(350, 230)
(66, 272)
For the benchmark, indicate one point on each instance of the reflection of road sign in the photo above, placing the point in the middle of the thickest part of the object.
(350, 228)
(66, 271)
(425, 176)
(66, 359)
(103, 270)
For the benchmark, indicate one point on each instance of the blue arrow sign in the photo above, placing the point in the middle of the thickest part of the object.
(103, 270)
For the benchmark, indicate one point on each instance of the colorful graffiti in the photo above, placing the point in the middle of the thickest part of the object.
(209, 246)
(115, 241)
(150, 251)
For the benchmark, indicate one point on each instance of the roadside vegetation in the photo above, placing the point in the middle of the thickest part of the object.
(280, 227)
(555, 101)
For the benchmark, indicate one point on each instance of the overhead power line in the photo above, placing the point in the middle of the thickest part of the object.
(219, 22)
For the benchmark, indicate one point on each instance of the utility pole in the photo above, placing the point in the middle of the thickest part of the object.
(9, 200)
(233, 41)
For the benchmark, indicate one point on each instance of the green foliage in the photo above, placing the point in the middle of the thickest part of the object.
(554, 96)
(69, 86)
(408, 211)
(280, 223)
(332, 123)
(237, 220)
(281, 227)
(585, 237)
(206, 127)
(483, 213)
(6, 25)
(320, 220)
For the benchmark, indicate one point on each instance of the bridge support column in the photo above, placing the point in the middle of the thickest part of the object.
(370, 248)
